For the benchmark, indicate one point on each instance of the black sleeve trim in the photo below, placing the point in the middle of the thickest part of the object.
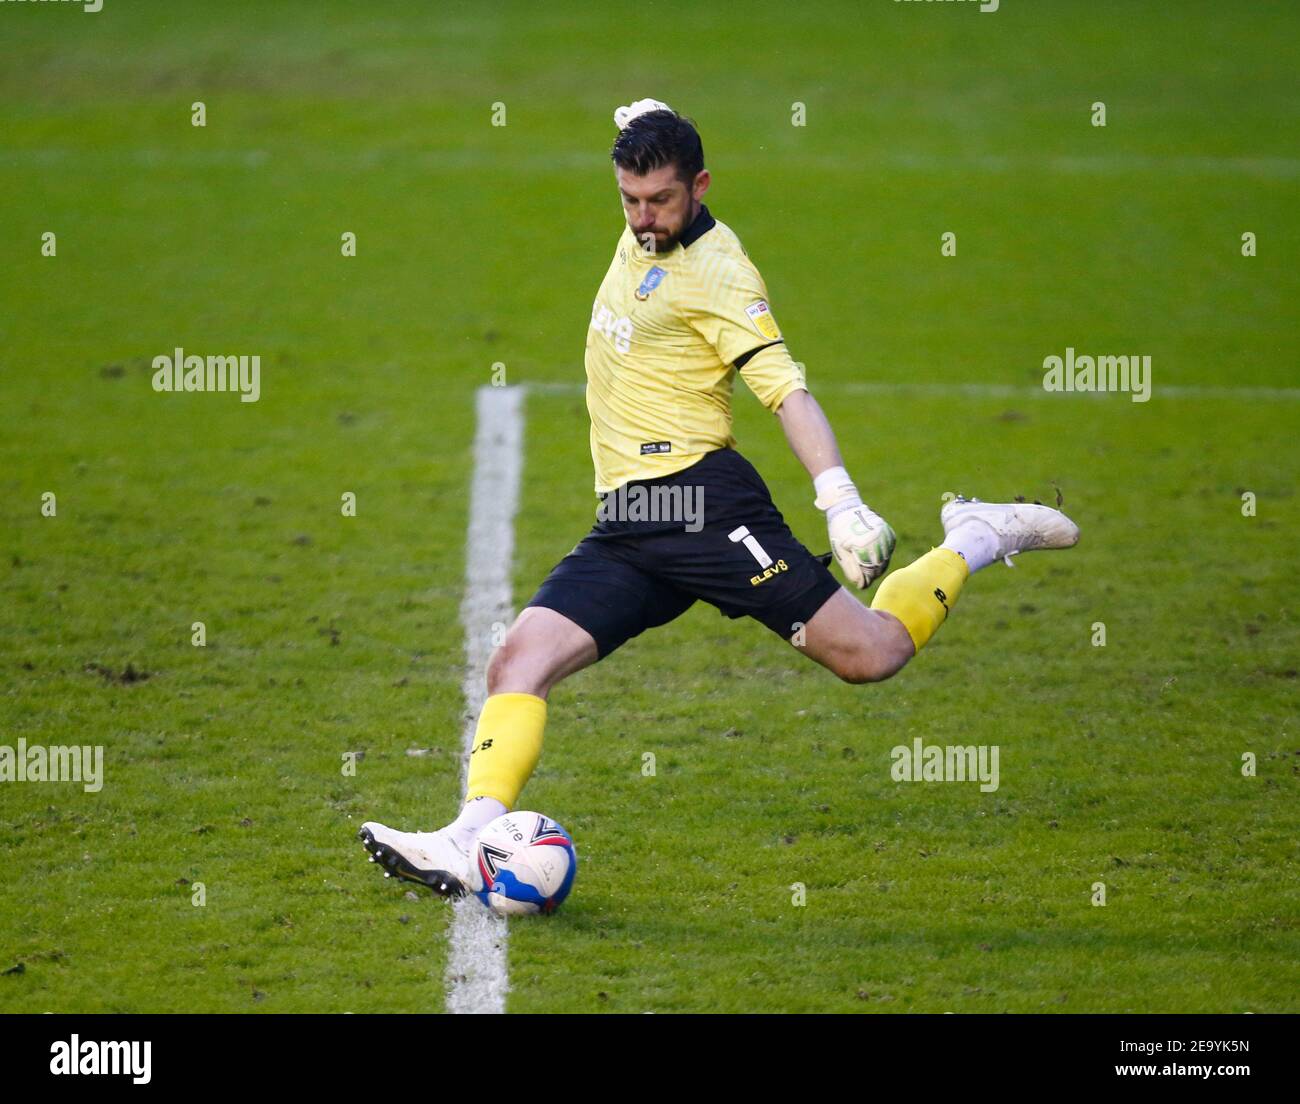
(743, 359)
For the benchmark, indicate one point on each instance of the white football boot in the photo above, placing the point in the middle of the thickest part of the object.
(433, 859)
(1018, 526)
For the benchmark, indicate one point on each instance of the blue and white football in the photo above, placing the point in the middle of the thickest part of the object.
(527, 864)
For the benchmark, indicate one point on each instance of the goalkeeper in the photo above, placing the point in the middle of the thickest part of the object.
(680, 312)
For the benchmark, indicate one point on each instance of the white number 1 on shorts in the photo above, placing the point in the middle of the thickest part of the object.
(751, 542)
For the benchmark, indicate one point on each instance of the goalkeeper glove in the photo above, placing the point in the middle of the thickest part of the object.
(861, 539)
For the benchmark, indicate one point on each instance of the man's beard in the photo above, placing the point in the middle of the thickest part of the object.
(652, 244)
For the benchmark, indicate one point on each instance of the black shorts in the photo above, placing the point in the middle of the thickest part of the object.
(709, 531)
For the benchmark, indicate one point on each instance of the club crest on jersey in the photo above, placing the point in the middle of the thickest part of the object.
(652, 280)
(761, 315)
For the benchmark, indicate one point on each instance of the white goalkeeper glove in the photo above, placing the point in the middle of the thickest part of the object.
(861, 539)
(624, 115)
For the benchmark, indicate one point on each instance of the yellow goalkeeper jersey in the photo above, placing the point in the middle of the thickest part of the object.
(668, 333)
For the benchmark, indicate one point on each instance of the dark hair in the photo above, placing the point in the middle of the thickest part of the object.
(659, 138)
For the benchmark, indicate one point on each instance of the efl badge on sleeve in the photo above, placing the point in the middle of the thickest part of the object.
(652, 280)
(761, 315)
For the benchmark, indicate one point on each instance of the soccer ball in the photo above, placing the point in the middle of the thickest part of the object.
(527, 863)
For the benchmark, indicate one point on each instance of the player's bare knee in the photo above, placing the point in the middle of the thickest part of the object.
(874, 665)
(505, 673)
(497, 666)
(517, 667)
(856, 670)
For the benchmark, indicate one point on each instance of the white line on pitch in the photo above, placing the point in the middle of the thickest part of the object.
(1263, 167)
(477, 980)
(997, 390)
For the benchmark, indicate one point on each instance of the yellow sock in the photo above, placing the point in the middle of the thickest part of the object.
(507, 745)
(921, 594)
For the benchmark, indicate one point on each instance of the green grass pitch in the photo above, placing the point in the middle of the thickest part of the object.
(478, 244)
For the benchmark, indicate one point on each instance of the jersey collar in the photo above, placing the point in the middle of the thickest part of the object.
(701, 225)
